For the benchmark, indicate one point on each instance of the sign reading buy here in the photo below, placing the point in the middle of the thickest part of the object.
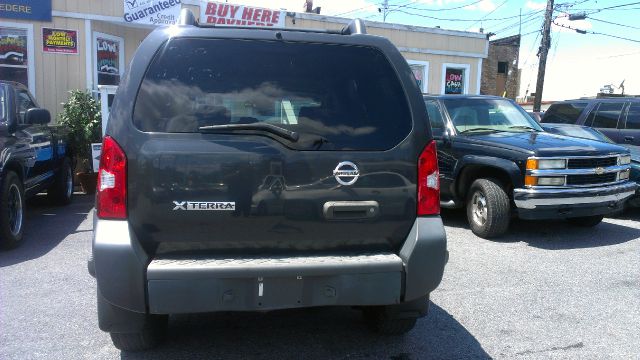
(225, 14)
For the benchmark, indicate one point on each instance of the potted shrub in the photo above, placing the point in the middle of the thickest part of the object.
(82, 117)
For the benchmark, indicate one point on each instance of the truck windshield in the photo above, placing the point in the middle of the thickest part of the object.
(488, 115)
(334, 97)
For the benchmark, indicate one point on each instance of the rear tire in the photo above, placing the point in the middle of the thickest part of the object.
(61, 191)
(12, 206)
(488, 209)
(380, 322)
(586, 221)
(150, 337)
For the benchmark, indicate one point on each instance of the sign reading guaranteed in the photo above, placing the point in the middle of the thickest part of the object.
(152, 12)
(224, 14)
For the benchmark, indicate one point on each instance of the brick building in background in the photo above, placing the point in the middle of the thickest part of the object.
(500, 74)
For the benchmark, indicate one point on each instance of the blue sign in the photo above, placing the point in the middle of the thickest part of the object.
(26, 9)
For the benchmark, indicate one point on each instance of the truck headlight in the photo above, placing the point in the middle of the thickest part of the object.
(551, 181)
(546, 164)
(624, 160)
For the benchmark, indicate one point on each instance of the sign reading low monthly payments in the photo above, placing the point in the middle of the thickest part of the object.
(225, 14)
(59, 41)
(152, 12)
(26, 9)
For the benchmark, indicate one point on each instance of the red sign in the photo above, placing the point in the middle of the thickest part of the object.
(59, 41)
(224, 14)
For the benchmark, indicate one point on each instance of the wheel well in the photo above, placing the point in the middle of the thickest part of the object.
(470, 173)
(15, 167)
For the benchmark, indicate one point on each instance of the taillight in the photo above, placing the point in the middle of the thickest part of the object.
(428, 181)
(111, 201)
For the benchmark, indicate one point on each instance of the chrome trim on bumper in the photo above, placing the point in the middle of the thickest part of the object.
(587, 171)
(532, 198)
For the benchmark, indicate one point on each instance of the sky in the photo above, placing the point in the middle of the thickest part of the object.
(578, 64)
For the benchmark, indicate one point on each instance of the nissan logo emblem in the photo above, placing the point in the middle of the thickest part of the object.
(346, 173)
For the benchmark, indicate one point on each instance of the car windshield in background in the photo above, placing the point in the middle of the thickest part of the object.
(334, 97)
(579, 132)
(471, 115)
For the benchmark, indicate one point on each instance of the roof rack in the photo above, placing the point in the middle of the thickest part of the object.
(355, 26)
(187, 18)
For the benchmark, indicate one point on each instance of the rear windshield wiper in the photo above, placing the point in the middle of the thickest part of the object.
(479, 129)
(282, 132)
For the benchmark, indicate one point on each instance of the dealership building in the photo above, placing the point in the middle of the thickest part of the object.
(53, 46)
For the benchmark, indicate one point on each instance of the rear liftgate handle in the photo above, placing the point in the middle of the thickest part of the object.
(350, 210)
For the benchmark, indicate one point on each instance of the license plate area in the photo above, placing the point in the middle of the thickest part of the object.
(278, 292)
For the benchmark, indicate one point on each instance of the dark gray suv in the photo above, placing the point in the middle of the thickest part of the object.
(262, 169)
(616, 117)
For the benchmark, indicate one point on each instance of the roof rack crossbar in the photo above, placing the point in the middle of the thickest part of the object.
(187, 18)
(355, 26)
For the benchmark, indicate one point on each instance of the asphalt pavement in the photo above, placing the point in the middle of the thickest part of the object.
(547, 290)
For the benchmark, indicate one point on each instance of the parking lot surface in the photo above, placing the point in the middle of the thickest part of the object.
(547, 290)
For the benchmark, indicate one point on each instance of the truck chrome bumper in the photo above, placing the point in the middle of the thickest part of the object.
(534, 198)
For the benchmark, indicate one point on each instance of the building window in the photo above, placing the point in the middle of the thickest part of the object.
(455, 79)
(16, 50)
(420, 70)
(503, 67)
(108, 59)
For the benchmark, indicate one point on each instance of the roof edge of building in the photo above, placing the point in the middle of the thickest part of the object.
(385, 25)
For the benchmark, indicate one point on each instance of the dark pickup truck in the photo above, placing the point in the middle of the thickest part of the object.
(496, 161)
(33, 159)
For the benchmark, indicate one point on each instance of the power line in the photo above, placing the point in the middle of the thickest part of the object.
(613, 23)
(491, 12)
(450, 19)
(446, 9)
(595, 33)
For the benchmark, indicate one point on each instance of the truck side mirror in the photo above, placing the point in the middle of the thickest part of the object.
(37, 116)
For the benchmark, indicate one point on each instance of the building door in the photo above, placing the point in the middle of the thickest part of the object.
(108, 59)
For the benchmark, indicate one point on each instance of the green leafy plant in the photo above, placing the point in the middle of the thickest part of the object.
(82, 117)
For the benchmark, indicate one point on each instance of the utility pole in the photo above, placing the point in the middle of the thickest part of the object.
(385, 10)
(544, 50)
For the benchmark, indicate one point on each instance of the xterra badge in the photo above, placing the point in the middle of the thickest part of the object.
(204, 206)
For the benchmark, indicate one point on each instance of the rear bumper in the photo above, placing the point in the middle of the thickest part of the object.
(128, 278)
(571, 202)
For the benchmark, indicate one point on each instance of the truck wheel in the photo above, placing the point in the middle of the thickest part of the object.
(146, 339)
(586, 221)
(488, 209)
(12, 205)
(61, 191)
(378, 320)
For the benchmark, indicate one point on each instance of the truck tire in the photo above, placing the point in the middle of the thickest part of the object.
(380, 322)
(488, 209)
(143, 340)
(61, 191)
(12, 205)
(586, 221)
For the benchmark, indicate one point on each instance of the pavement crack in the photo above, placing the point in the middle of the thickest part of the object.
(578, 345)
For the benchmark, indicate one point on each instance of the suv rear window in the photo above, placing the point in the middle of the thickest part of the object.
(348, 96)
(564, 113)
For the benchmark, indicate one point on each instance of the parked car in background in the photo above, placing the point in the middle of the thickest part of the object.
(618, 117)
(33, 159)
(536, 115)
(497, 162)
(231, 184)
(593, 134)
